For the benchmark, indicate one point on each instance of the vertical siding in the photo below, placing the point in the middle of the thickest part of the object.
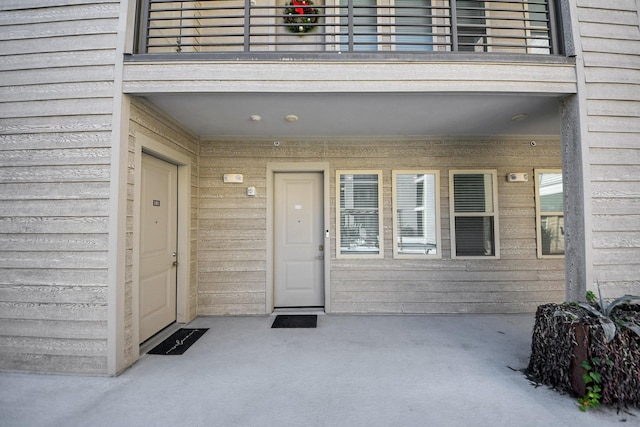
(610, 37)
(56, 83)
(232, 233)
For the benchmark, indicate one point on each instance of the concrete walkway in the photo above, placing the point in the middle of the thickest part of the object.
(447, 370)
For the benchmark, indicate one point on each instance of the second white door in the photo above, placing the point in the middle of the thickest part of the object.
(298, 240)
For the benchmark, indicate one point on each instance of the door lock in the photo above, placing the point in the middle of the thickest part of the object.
(175, 263)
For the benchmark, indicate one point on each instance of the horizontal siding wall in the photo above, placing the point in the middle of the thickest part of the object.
(232, 233)
(147, 120)
(610, 38)
(56, 84)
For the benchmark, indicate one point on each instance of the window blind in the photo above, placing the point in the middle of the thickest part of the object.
(474, 214)
(550, 215)
(359, 214)
(411, 19)
(415, 214)
(365, 22)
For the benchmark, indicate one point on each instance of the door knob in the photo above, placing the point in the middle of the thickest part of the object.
(175, 254)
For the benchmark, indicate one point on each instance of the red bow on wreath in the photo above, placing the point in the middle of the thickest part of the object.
(299, 10)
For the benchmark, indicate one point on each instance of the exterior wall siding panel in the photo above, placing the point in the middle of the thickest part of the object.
(232, 233)
(59, 82)
(56, 101)
(611, 47)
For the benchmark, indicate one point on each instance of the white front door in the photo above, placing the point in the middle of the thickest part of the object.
(298, 240)
(158, 245)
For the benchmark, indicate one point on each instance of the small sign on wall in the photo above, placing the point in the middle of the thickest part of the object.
(156, 203)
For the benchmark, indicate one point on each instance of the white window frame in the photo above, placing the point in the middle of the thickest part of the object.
(494, 213)
(355, 254)
(396, 219)
(540, 214)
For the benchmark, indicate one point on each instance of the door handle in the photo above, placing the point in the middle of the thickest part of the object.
(175, 263)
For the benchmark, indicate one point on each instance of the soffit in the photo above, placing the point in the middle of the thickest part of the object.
(362, 114)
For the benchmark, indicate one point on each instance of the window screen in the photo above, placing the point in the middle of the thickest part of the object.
(415, 214)
(473, 214)
(359, 213)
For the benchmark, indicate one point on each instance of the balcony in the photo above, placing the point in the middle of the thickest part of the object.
(268, 29)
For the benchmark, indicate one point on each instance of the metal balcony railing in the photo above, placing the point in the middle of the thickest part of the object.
(347, 26)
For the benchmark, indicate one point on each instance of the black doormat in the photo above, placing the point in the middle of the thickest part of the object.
(178, 342)
(295, 321)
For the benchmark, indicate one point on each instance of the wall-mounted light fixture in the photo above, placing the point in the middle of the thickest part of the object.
(517, 177)
(232, 178)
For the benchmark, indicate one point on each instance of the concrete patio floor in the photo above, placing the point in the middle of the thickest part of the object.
(436, 370)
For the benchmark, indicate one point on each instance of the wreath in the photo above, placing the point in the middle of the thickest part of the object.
(301, 16)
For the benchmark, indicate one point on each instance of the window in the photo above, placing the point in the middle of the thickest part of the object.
(474, 219)
(471, 26)
(549, 213)
(380, 24)
(416, 219)
(413, 25)
(538, 23)
(364, 25)
(359, 196)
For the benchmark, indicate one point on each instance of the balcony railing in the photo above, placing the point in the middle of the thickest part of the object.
(347, 26)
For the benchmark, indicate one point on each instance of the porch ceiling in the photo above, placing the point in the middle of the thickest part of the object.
(362, 114)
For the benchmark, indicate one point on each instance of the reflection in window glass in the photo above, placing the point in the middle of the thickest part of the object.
(550, 215)
(474, 214)
(359, 202)
(416, 207)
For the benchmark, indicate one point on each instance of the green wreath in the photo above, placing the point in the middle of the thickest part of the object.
(301, 16)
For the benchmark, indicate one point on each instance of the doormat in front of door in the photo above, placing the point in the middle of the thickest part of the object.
(295, 321)
(178, 342)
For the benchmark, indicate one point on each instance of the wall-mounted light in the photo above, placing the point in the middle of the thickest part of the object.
(291, 118)
(517, 177)
(235, 178)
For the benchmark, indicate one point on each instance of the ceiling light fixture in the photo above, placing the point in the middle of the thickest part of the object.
(519, 117)
(291, 118)
(255, 118)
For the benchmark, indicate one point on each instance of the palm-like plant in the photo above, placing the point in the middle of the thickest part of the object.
(604, 313)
